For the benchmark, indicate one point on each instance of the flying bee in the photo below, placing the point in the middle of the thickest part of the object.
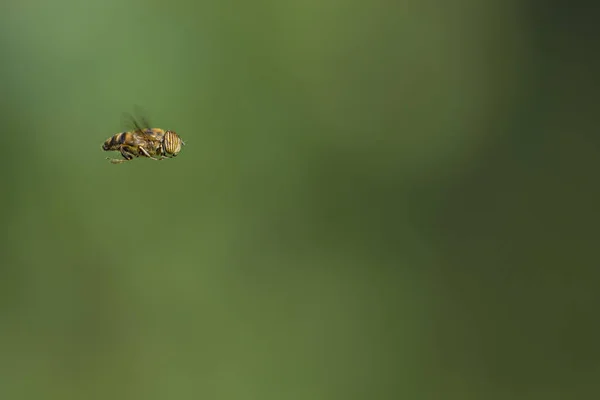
(143, 141)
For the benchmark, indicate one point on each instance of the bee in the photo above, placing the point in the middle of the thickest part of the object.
(143, 141)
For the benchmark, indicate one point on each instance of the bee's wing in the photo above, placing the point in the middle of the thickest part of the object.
(142, 117)
(130, 124)
(137, 123)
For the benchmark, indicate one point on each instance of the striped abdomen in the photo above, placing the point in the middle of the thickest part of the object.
(117, 140)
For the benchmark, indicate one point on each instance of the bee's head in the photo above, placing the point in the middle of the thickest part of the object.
(172, 143)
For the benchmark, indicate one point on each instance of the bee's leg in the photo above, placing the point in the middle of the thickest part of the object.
(127, 155)
(127, 152)
(116, 160)
(147, 154)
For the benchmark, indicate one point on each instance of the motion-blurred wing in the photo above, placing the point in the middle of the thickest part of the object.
(137, 122)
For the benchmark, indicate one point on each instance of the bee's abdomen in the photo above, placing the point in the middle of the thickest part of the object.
(115, 141)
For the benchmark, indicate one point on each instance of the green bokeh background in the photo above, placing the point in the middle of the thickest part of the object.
(377, 200)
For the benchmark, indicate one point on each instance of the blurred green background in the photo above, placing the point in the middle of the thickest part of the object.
(377, 200)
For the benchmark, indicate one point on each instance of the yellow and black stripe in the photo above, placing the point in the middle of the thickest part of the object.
(117, 140)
